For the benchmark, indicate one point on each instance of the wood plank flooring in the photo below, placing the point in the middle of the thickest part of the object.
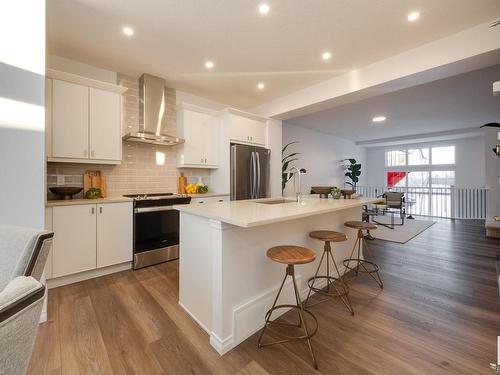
(439, 313)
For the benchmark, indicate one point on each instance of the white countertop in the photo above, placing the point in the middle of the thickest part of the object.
(71, 202)
(250, 213)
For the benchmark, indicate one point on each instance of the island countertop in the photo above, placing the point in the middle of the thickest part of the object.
(252, 213)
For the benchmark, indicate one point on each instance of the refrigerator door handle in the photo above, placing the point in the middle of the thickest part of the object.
(257, 185)
(252, 176)
(233, 173)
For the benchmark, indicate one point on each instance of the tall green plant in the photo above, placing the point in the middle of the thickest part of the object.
(353, 171)
(285, 161)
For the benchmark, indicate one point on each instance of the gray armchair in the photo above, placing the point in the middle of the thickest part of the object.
(24, 253)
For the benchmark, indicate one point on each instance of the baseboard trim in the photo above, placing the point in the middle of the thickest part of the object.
(221, 346)
(81, 276)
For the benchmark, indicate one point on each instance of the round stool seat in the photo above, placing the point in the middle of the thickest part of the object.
(328, 236)
(290, 254)
(363, 225)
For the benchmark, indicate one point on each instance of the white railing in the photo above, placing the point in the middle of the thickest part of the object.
(448, 202)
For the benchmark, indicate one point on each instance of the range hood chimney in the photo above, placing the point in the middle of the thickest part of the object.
(152, 114)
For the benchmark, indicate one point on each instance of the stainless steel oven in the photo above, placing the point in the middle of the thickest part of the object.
(156, 228)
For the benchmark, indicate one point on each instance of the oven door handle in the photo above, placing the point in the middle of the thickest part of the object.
(152, 209)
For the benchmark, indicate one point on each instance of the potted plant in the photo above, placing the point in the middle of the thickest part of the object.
(336, 192)
(286, 160)
(352, 171)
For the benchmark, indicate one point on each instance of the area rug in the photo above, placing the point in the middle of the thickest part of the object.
(400, 233)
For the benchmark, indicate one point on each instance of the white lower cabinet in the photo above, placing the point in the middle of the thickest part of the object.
(114, 234)
(74, 245)
(221, 198)
(90, 236)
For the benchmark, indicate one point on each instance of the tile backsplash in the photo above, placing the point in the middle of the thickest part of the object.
(145, 168)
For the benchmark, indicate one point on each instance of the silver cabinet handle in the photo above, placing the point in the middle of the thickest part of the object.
(100, 210)
(92, 210)
(201, 160)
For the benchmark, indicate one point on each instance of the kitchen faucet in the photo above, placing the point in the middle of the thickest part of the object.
(299, 172)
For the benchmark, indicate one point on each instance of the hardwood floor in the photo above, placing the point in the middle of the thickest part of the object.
(439, 313)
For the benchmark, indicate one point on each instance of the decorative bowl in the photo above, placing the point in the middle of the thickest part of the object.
(65, 192)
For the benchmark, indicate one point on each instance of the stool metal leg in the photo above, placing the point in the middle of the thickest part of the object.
(300, 309)
(361, 247)
(330, 281)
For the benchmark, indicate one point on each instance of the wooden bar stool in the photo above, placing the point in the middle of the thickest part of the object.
(340, 288)
(291, 255)
(362, 265)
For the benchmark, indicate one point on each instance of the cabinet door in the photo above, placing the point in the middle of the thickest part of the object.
(48, 226)
(74, 245)
(105, 127)
(70, 120)
(114, 233)
(247, 130)
(211, 141)
(194, 124)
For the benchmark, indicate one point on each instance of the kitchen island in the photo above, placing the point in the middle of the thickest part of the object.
(226, 282)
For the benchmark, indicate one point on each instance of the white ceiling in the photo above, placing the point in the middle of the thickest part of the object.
(283, 49)
(459, 102)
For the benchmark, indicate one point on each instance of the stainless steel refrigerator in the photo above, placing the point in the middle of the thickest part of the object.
(249, 172)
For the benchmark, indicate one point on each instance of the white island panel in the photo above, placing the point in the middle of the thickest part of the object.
(226, 281)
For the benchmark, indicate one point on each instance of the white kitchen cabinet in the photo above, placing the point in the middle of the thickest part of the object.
(83, 120)
(70, 120)
(104, 125)
(246, 128)
(200, 129)
(74, 244)
(114, 233)
(200, 200)
(48, 226)
(88, 237)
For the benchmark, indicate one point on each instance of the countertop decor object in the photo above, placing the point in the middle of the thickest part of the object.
(336, 192)
(347, 193)
(65, 192)
(94, 179)
(323, 191)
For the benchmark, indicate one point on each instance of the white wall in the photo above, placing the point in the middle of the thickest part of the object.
(185, 97)
(469, 161)
(320, 155)
(22, 86)
(492, 165)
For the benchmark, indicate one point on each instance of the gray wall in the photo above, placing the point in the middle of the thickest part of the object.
(320, 154)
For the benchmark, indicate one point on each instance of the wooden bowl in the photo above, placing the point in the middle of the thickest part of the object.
(323, 191)
(65, 192)
(347, 193)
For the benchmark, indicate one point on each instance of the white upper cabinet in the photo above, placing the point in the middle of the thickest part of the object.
(70, 120)
(200, 129)
(246, 128)
(83, 121)
(105, 127)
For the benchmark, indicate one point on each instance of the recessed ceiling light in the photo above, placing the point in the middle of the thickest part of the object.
(379, 119)
(128, 31)
(413, 16)
(209, 64)
(264, 8)
(326, 55)
(261, 86)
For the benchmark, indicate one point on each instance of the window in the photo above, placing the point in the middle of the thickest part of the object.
(443, 155)
(441, 179)
(395, 158)
(396, 179)
(418, 179)
(419, 156)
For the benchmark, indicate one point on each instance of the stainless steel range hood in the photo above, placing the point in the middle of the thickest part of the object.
(152, 114)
